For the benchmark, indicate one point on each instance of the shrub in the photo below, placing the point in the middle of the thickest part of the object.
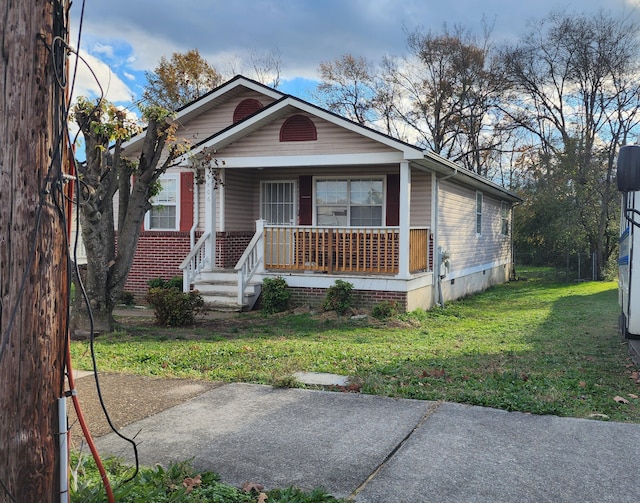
(385, 309)
(172, 307)
(127, 298)
(275, 296)
(174, 283)
(339, 297)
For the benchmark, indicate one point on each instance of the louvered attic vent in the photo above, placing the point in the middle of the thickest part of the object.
(298, 128)
(245, 108)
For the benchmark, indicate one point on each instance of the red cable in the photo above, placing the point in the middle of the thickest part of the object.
(85, 430)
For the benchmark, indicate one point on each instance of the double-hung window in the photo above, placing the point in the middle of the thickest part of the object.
(478, 213)
(349, 202)
(164, 214)
(504, 218)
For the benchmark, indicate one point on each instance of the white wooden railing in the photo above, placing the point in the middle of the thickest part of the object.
(195, 262)
(250, 261)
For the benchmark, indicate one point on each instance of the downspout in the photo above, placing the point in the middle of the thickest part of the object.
(436, 242)
(196, 213)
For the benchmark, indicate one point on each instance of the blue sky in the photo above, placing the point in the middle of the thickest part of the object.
(121, 40)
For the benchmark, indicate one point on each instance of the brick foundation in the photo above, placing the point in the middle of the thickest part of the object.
(230, 246)
(362, 299)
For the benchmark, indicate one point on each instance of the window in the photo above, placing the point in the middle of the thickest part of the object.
(478, 212)
(164, 213)
(504, 218)
(344, 203)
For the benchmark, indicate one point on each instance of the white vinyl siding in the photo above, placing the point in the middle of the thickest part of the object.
(457, 228)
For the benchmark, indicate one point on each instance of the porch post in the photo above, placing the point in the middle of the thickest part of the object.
(405, 218)
(210, 218)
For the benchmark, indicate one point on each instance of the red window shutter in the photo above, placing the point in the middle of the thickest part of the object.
(305, 206)
(245, 108)
(186, 201)
(393, 200)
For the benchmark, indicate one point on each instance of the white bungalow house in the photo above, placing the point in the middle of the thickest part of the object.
(313, 197)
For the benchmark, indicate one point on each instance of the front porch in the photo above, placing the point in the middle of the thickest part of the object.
(356, 254)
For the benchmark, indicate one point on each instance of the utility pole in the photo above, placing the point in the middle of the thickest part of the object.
(33, 263)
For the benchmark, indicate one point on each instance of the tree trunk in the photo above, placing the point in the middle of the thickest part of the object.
(33, 259)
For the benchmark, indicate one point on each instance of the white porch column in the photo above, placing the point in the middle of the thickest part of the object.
(405, 218)
(210, 218)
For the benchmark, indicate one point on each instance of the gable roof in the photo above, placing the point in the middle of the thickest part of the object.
(285, 104)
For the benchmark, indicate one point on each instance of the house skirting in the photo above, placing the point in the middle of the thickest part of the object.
(463, 283)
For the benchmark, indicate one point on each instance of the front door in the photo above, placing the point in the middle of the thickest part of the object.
(277, 207)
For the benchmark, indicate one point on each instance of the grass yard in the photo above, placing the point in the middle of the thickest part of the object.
(533, 346)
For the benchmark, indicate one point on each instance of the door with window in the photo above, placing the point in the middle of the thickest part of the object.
(277, 207)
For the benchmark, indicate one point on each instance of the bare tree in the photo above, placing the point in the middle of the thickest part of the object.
(267, 66)
(574, 87)
(347, 88)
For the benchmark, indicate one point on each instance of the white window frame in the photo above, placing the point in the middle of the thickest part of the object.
(147, 217)
(479, 205)
(504, 218)
(381, 178)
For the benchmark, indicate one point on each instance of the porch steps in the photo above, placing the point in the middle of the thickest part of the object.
(219, 290)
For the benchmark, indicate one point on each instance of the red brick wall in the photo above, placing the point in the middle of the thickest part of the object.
(362, 299)
(159, 255)
(230, 246)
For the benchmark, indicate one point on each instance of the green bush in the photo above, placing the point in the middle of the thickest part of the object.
(339, 297)
(275, 296)
(174, 283)
(173, 307)
(385, 309)
(127, 298)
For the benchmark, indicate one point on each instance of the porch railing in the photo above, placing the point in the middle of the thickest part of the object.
(342, 249)
(249, 263)
(195, 262)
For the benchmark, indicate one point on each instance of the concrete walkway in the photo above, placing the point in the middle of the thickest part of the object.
(375, 449)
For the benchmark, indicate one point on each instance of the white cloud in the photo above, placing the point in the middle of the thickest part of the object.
(105, 50)
(102, 80)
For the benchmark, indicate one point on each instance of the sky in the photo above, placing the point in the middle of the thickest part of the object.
(120, 40)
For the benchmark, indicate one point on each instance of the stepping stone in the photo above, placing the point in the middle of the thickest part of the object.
(321, 378)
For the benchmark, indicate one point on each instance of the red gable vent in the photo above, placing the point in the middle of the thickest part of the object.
(298, 128)
(245, 108)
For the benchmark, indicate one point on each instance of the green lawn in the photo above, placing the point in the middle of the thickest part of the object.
(532, 346)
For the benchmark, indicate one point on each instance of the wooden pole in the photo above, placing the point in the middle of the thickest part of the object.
(33, 264)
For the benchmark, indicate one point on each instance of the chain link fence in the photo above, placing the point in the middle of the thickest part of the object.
(572, 266)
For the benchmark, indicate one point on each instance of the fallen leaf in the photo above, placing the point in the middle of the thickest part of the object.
(631, 395)
(262, 497)
(635, 374)
(582, 384)
(190, 483)
(599, 416)
(247, 487)
(619, 399)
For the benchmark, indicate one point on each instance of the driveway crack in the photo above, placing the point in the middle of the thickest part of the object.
(432, 409)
